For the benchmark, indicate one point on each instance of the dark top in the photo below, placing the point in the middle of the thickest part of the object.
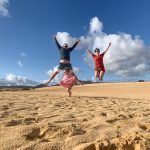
(65, 53)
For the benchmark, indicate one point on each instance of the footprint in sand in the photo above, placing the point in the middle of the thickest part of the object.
(86, 146)
(30, 120)
(76, 131)
(146, 114)
(11, 103)
(4, 107)
(105, 145)
(145, 127)
(112, 120)
(37, 108)
(57, 105)
(103, 114)
(64, 120)
(131, 115)
(123, 116)
(34, 134)
(4, 114)
(132, 145)
(52, 116)
(105, 107)
(114, 102)
(13, 123)
(23, 108)
(43, 133)
(101, 98)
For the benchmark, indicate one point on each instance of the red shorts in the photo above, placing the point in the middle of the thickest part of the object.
(99, 68)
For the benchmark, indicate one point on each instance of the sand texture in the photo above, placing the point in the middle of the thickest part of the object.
(106, 116)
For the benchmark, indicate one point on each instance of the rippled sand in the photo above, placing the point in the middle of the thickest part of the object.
(98, 117)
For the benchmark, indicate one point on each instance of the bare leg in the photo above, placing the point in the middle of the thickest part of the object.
(52, 77)
(69, 91)
(97, 73)
(79, 82)
(76, 80)
(101, 75)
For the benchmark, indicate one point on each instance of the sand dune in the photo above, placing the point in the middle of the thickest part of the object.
(110, 116)
(121, 90)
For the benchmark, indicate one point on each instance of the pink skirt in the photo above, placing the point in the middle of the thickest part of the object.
(68, 83)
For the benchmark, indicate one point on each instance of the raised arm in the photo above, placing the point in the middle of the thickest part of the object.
(58, 45)
(75, 44)
(89, 51)
(107, 48)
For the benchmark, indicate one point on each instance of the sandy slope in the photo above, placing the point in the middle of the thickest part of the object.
(98, 117)
(122, 90)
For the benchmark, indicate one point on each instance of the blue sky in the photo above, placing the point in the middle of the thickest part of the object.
(30, 24)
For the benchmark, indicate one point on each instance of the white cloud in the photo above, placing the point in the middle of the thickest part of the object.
(14, 80)
(59, 76)
(64, 37)
(95, 25)
(3, 8)
(20, 63)
(128, 56)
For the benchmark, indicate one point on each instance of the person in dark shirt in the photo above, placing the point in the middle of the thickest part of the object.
(64, 51)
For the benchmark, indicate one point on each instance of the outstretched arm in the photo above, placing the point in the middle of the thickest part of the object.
(75, 44)
(89, 51)
(58, 45)
(107, 48)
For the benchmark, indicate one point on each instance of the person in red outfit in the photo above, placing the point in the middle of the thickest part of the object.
(98, 59)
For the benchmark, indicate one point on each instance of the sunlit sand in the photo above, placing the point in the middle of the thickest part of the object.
(104, 116)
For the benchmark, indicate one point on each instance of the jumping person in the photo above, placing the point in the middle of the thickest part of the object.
(98, 59)
(64, 51)
(69, 79)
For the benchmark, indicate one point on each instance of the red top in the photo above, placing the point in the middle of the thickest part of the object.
(99, 61)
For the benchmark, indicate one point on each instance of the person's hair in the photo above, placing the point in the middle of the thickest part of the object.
(97, 50)
(65, 44)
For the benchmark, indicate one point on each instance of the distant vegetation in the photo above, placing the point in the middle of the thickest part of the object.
(15, 88)
(140, 80)
(21, 88)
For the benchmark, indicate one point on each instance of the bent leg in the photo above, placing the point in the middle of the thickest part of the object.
(52, 77)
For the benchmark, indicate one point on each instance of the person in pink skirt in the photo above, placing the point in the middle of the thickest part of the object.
(69, 79)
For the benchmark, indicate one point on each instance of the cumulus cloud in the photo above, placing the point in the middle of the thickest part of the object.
(3, 8)
(128, 56)
(95, 25)
(13, 80)
(64, 37)
(60, 75)
(20, 63)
